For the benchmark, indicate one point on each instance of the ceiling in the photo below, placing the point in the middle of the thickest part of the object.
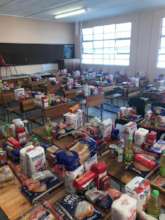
(45, 9)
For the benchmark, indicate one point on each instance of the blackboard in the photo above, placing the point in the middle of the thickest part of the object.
(26, 54)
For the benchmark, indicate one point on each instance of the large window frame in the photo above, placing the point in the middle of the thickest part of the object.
(161, 51)
(107, 44)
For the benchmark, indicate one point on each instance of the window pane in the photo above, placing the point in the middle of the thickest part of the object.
(161, 51)
(98, 30)
(108, 44)
(98, 37)
(98, 44)
(87, 31)
(109, 28)
(87, 37)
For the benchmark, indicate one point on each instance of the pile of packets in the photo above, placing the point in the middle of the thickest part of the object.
(73, 120)
(16, 134)
(154, 120)
(45, 101)
(33, 173)
(142, 161)
(128, 113)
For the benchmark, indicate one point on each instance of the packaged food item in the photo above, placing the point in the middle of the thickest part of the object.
(32, 160)
(84, 210)
(162, 164)
(140, 136)
(145, 161)
(129, 129)
(139, 188)
(158, 147)
(151, 138)
(124, 208)
(70, 176)
(128, 152)
(76, 208)
(106, 128)
(153, 204)
(6, 175)
(3, 157)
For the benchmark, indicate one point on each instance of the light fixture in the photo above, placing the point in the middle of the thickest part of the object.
(69, 13)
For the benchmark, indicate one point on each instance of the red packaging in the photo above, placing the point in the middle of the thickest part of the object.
(80, 182)
(142, 159)
(100, 167)
(13, 142)
(151, 137)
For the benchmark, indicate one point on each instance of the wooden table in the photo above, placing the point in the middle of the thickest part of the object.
(12, 201)
(15, 204)
(63, 143)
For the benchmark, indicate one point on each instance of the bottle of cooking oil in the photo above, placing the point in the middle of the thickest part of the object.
(128, 152)
(162, 164)
(153, 204)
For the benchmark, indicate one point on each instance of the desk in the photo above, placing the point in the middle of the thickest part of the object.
(15, 204)
(12, 201)
(63, 143)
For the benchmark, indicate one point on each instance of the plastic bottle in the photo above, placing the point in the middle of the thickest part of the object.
(120, 151)
(128, 152)
(48, 128)
(153, 204)
(162, 164)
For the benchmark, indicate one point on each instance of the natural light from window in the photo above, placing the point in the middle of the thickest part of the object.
(161, 53)
(107, 45)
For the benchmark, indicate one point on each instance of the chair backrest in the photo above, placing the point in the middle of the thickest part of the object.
(56, 111)
(93, 101)
(27, 105)
(138, 103)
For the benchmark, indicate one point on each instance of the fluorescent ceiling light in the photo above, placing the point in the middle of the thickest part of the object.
(70, 13)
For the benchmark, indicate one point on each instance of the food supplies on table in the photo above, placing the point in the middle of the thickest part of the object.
(106, 128)
(141, 136)
(158, 147)
(82, 150)
(6, 175)
(76, 120)
(139, 188)
(18, 127)
(19, 93)
(124, 208)
(70, 176)
(76, 208)
(90, 162)
(32, 160)
(151, 138)
(69, 159)
(130, 128)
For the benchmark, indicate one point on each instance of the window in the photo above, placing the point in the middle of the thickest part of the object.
(108, 44)
(161, 53)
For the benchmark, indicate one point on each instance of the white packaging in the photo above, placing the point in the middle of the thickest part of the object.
(19, 93)
(130, 128)
(36, 161)
(23, 158)
(90, 162)
(70, 176)
(140, 136)
(140, 195)
(75, 119)
(124, 208)
(106, 128)
(18, 122)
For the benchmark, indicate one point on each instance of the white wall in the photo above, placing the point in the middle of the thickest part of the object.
(21, 30)
(146, 29)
